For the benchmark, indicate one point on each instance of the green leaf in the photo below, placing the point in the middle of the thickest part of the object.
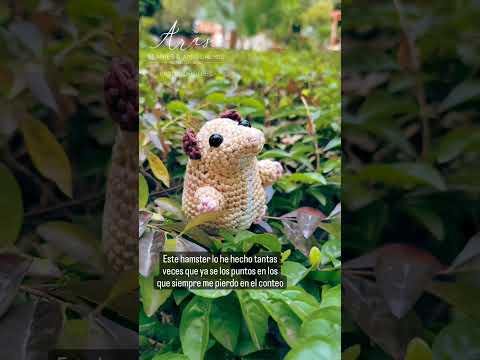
(13, 269)
(36, 78)
(126, 282)
(248, 105)
(158, 168)
(462, 297)
(73, 240)
(294, 272)
(459, 340)
(255, 317)
(285, 255)
(200, 220)
(301, 302)
(307, 178)
(431, 221)
(418, 350)
(194, 328)
(142, 192)
(47, 154)
(331, 250)
(455, 142)
(333, 228)
(325, 322)
(288, 322)
(74, 334)
(352, 353)
(315, 348)
(464, 92)
(11, 213)
(318, 194)
(151, 328)
(216, 98)
(331, 296)
(177, 107)
(170, 356)
(289, 112)
(403, 175)
(211, 293)
(274, 154)
(169, 206)
(225, 320)
(152, 298)
(179, 295)
(382, 105)
(89, 8)
(268, 241)
(332, 144)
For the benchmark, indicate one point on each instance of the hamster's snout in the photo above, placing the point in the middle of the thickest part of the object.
(254, 141)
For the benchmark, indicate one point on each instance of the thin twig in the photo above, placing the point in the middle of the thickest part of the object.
(279, 218)
(166, 191)
(78, 308)
(313, 132)
(358, 272)
(65, 205)
(419, 85)
(42, 294)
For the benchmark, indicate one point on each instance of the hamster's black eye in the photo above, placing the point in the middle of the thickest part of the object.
(245, 123)
(215, 140)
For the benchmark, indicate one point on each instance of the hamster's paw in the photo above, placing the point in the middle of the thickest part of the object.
(207, 204)
(278, 169)
(270, 171)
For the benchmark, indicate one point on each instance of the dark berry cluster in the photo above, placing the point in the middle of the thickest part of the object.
(121, 94)
(231, 114)
(190, 145)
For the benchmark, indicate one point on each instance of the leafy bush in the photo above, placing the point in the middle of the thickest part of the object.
(410, 183)
(295, 99)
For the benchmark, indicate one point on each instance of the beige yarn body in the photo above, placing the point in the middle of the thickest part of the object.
(119, 232)
(228, 178)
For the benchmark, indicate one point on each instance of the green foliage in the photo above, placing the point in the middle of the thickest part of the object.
(148, 7)
(411, 179)
(290, 22)
(298, 109)
(56, 138)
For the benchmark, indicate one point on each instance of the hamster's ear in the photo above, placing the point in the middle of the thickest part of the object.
(190, 145)
(231, 114)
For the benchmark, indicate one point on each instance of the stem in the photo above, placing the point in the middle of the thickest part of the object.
(419, 85)
(166, 191)
(358, 272)
(279, 218)
(314, 138)
(65, 205)
(146, 174)
(78, 308)
(42, 294)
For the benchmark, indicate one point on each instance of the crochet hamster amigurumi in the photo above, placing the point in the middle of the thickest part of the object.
(223, 173)
(119, 233)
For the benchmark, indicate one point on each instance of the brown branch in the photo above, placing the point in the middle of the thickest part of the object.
(311, 124)
(42, 294)
(166, 191)
(64, 205)
(78, 308)
(419, 84)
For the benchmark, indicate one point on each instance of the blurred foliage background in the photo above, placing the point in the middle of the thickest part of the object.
(55, 148)
(297, 23)
(293, 96)
(410, 179)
